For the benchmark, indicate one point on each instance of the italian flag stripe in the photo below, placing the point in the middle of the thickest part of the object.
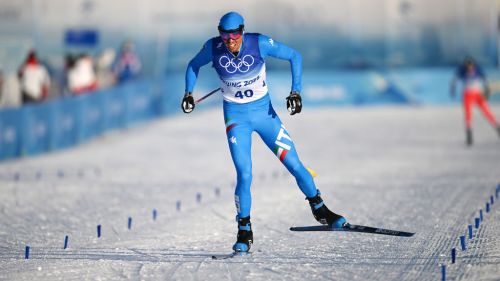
(280, 152)
(283, 154)
(228, 128)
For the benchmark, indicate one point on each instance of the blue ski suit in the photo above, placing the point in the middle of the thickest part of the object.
(247, 107)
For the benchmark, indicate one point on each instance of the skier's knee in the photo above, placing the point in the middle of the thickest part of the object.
(245, 177)
(296, 169)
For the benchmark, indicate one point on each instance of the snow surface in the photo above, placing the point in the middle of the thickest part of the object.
(404, 168)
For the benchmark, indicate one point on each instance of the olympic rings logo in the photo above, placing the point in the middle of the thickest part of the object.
(233, 64)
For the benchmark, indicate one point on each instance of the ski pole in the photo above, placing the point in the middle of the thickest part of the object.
(207, 95)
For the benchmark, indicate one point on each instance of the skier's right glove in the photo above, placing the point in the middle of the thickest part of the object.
(294, 103)
(187, 103)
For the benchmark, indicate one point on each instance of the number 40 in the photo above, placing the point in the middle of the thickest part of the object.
(248, 93)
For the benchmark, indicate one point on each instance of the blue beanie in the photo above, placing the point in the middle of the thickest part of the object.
(231, 21)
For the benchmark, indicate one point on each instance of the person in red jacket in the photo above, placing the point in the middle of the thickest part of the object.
(476, 91)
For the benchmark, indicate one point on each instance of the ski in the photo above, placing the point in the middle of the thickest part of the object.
(354, 228)
(230, 256)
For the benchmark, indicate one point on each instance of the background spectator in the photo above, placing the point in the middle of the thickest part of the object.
(128, 65)
(81, 77)
(34, 79)
(105, 75)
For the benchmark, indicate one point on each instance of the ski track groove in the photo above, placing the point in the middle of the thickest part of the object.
(412, 273)
(230, 272)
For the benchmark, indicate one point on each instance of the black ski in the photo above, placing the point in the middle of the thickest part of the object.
(354, 228)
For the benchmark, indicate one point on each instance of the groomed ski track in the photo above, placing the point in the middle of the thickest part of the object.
(402, 168)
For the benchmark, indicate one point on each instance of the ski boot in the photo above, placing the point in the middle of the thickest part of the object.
(468, 133)
(245, 235)
(323, 215)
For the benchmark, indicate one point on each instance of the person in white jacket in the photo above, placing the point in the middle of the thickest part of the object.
(34, 80)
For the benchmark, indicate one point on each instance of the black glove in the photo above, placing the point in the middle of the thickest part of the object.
(294, 103)
(187, 103)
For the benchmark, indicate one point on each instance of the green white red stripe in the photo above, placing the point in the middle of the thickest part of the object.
(229, 126)
(280, 152)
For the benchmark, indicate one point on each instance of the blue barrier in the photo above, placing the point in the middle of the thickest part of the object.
(10, 133)
(37, 126)
(64, 122)
(66, 118)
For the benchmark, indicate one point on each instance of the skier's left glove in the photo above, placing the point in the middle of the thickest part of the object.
(294, 103)
(187, 103)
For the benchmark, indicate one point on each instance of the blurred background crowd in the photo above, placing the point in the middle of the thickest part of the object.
(61, 48)
(37, 80)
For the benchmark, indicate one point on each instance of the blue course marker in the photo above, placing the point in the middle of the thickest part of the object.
(443, 272)
(27, 252)
(198, 197)
(462, 242)
(155, 213)
(492, 200)
(481, 214)
(453, 255)
(478, 222)
(487, 207)
(66, 240)
(470, 231)
(178, 205)
(98, 231)
(217, 192)
(129, 224)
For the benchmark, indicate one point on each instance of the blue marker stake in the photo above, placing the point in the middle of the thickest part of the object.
(481, 214)
(154, 214)
(492, 200)
(470, 231)
(66, 240)
(453, 255)
(217, 191)
(27, 252)
(462, 242)
(487, 207)
(99, 231)
(178, 205)
(198, 197)
(129, 223)
(477, 221)
(443, 272)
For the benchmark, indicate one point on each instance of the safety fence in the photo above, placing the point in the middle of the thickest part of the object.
(68, 121)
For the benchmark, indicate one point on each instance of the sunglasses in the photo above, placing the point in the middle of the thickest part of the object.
(235, 35)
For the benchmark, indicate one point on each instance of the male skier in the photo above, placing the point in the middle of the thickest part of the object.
(238, 58)
(475, 91)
